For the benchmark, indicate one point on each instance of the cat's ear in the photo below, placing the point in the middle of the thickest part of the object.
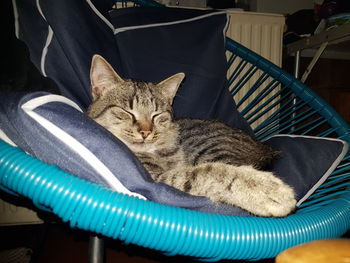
(102, 76)
(170, 85)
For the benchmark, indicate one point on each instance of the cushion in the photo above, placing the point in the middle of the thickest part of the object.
(155, 43)
(55, 130)
(62, 36)
(307, 161)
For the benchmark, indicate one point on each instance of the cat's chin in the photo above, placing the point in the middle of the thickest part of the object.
(142, 147)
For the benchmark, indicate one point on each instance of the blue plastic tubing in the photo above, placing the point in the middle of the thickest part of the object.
(169, 229)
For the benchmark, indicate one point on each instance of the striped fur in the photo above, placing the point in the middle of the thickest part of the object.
(200, 157)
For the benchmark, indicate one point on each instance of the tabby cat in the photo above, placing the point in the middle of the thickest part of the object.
(200, 157)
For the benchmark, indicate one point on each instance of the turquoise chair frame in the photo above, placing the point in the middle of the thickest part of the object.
(275, 103)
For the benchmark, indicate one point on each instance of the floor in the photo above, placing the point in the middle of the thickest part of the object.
(56, 242)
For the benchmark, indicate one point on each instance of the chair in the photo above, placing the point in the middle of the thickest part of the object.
(276, 103)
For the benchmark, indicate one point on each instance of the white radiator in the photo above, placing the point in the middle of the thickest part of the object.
(259, 32)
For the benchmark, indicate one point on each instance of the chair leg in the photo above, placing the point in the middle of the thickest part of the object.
(96, 250)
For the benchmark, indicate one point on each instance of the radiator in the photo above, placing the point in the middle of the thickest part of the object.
(259, 32)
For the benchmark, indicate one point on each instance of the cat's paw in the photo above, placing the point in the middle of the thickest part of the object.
(276, 198)
(267, 195)
(260, 192)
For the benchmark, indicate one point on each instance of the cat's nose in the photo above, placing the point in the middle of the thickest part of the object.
(145, 133)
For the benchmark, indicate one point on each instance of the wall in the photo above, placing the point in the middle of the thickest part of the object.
(329, 79)
(280, 6)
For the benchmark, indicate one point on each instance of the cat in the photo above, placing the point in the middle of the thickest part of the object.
(200, 157)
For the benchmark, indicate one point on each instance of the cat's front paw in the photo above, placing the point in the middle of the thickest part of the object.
(259, 192)
(269, 195)
(277, 198)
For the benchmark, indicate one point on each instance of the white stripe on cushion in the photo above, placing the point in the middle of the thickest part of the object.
(15, 16)
(105, 20)
(37, 102)
(45, 49)
(47, 43)
(5, 138)
(122, 29)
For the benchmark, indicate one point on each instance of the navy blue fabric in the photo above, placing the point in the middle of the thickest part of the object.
(77, 34)
(126, 17)
(195, 47)
(305, 160)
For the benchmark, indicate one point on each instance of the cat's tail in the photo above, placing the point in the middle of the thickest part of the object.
(259, 192)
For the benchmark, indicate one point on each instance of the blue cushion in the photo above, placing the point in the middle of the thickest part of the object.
(55, 130)
(307, 161)
(62, 36)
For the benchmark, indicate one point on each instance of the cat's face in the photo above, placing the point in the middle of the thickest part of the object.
(138, 113)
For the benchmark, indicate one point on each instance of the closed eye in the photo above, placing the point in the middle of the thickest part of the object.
(162, 117)
(155, 115)
(122, 114)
